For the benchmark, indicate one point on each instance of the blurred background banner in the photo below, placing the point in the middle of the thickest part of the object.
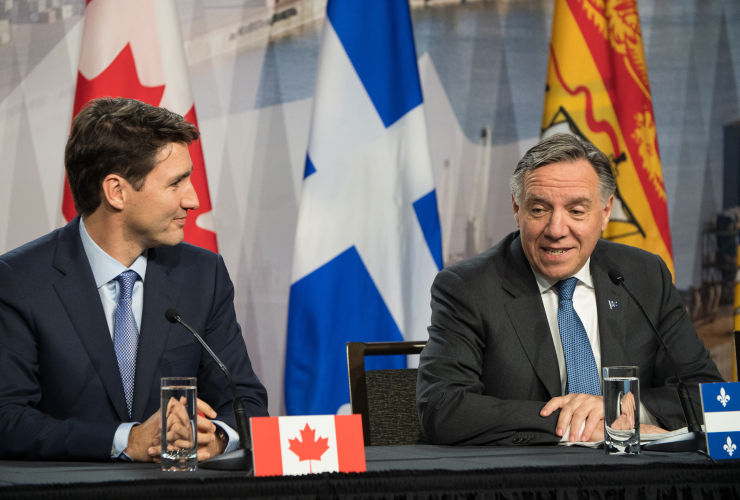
(598, 88)
(134, 49)
(482, 65)
(368, 241)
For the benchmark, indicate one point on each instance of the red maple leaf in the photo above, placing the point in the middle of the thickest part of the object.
(310, 448)
(194, 234)
(119, 79)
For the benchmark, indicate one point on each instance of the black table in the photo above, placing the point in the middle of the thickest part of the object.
(552, 472)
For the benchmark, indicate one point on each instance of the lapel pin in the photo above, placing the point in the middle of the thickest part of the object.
(612, 304)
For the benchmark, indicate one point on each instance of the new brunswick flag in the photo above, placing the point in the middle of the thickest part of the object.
(598, 89)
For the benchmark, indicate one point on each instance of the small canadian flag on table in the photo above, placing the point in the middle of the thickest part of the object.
(289, 446)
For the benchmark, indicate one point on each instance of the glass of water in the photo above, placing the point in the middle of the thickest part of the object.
(621, 410)
(178, 397)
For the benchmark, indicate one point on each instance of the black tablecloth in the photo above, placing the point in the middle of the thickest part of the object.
(547, 472)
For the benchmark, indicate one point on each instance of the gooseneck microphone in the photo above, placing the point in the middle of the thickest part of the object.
(240, 459)
(695, 438)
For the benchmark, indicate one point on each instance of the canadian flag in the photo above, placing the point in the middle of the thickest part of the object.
(133, 49)
(289, 446)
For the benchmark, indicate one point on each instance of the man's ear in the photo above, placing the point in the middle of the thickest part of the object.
(607, 212)
(112, 191)
(516, 210)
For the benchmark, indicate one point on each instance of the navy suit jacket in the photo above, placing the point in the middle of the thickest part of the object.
(61, 395)
(490, 364)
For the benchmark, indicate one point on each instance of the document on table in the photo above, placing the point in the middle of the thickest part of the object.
(644, 438)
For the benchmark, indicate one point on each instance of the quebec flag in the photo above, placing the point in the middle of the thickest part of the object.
(368, 242)
(720, 402)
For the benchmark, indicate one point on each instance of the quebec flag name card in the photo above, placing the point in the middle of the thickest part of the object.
(720, 402)
(291, 446)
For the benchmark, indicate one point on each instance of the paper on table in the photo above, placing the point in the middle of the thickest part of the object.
(644, 438)
(596, 444)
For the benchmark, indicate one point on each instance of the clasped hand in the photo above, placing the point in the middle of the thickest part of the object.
(144, 442)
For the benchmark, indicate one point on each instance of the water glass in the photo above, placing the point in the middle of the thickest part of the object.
(179, 398)
(621, 391)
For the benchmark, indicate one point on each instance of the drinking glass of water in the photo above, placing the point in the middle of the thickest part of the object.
(621, 410)
(179, 398)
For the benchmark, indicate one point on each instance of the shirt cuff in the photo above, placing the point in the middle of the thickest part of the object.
(120, 441)
(233, 436)
(566, 436)
(646, 417)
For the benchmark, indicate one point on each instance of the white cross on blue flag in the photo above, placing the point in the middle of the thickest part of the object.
(368, 242)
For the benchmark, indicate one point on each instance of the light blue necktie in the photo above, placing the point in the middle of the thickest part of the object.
(126, 335)
(583, 376)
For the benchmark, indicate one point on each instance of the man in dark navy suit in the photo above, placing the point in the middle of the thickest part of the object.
(83, 336)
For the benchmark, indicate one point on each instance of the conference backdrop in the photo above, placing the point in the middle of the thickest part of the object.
(252, 66)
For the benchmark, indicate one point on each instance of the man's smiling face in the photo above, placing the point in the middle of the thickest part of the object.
(561, 217)
(155, 215)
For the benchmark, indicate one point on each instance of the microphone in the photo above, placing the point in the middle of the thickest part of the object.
(695, 439)
(240, 459)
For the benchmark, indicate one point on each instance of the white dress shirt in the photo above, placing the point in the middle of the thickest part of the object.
(584, 302)
(105, 270)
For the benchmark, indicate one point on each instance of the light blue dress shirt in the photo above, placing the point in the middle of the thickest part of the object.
(105, 270)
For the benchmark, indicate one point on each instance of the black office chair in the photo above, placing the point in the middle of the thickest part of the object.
(386, 399)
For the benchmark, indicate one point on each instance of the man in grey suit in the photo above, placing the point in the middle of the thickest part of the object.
(519, 333)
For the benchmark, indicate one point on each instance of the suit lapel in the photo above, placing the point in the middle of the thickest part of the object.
(611, 303)
(527, 315)
(80, 298)
(160, 293)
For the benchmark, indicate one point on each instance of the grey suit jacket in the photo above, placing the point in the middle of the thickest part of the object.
(490, 365)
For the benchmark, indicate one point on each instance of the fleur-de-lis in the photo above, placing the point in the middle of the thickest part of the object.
(729, 447)
(723, 398)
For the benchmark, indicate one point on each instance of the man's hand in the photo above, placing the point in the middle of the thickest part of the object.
(598, 433)
(178, 428)
(626, 421)
(651, 429)
(575, 410)
(628, 406)
(208, 443)
(140, 439)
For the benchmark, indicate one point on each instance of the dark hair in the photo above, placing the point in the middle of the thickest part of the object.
(564, 148)
(118, 136)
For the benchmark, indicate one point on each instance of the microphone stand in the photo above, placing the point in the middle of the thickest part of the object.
(695, 440)
(240, 459)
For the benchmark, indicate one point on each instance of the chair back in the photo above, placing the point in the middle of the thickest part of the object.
(386, 399)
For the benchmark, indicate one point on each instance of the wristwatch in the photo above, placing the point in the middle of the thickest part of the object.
(223, 438)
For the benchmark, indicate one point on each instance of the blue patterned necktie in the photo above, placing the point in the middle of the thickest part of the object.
(583, 376)
(126, 335)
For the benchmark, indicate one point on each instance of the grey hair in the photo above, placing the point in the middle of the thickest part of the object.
(564, 148)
